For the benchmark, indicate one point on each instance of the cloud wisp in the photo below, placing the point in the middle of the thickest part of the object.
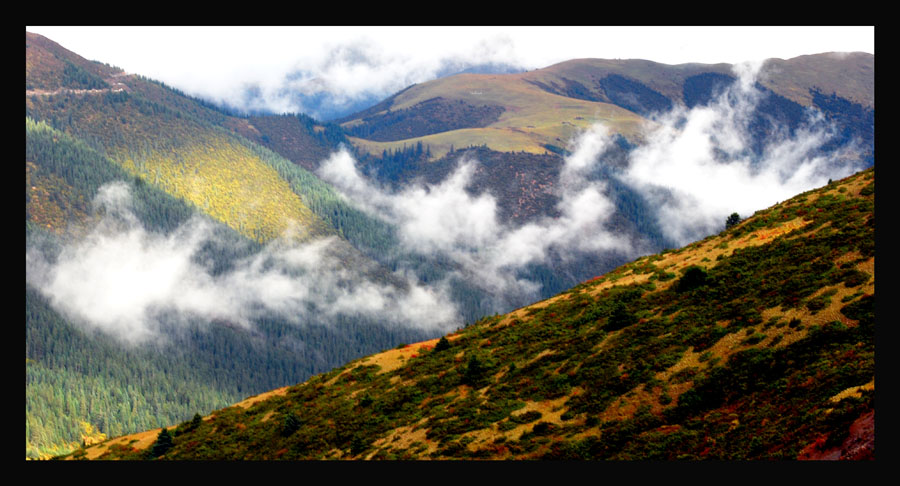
(696, 165)
(356, 73)
(446, 219)
(127, 281)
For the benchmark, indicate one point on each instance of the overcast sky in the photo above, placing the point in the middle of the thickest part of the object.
(349, 63)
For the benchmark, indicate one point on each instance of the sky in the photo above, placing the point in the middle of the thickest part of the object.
(284, 66)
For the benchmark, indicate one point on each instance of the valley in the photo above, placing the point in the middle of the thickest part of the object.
(645, 362)
(182, 258)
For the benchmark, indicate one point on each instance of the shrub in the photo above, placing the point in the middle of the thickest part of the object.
(620, 317)
(474, 373)
(290, 424)
(442, 344)
(694, 277)
(527, 417)
(543, 428)
(853, 277)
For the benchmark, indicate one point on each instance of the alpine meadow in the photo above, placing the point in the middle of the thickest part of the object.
(600, 259)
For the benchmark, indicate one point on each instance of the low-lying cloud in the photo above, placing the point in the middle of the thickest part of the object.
(125, 280)
(446, 219)
(352, 75)
(696, 165)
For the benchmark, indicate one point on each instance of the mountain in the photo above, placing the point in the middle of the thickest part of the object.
(125, 175)
(122, 171)
(754, 343)
(312, 96)
(520, 129)
(529, 111)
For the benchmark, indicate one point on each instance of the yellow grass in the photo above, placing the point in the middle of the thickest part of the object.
(499, 139)
(248, 402)
(532, 117)
(392, 359)
(403, 438)
(139, 441)
(230, 183)
(853, 391)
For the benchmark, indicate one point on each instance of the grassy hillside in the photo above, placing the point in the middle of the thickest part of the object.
(528, 119)
(546, 106)
(850, 76)
(756, 343)
(185, 157)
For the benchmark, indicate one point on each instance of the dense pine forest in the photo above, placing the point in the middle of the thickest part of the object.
(118, 389)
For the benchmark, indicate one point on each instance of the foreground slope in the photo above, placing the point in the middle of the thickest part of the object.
(757, 343)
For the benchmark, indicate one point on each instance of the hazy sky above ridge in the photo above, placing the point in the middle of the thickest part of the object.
(351, 63)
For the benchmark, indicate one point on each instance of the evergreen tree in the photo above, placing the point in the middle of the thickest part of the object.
(290, 424)
(474, 373)
(732, 220)
(442, 344)
(163, 443)
(620, 317)
(693, 277)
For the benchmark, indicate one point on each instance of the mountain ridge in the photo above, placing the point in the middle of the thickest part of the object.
(619, 93)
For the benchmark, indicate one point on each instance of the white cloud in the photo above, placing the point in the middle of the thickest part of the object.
(697, 168)
(445, 219)
(350, 63)
(124, 279)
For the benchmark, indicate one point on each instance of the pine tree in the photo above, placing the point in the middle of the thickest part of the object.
(163, 443)
(732, 220)
(442, 344)
(290, 425)
(474, 373)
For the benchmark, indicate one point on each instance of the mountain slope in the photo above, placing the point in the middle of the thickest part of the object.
(503, 111)
(756, 343)
(175, 159)
(518, 128)
(528, 111)
(75, 375)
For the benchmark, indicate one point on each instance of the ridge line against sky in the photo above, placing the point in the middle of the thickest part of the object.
(280, 69)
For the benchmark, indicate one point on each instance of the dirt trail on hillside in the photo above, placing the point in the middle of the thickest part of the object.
(115, 87)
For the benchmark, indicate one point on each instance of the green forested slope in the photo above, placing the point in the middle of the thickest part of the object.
(178, 156)
(74, 376)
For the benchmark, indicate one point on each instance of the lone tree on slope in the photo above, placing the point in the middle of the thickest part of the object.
(732, 220)
(163, 443)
